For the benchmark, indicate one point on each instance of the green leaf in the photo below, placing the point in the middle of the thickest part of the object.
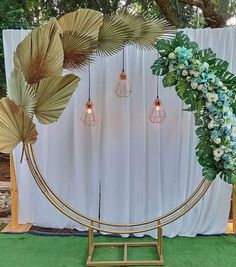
(159, 67)
(207, 55)
(170, 79)
(228, 78)
(181, 88)
(220, 67)
(209, 173)
(181, 39)
(164, 47)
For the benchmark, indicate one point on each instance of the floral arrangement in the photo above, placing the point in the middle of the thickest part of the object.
(202, 81)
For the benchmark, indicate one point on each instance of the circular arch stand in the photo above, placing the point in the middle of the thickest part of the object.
(112, 228)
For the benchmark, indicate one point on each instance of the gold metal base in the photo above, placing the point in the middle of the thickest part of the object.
(125, 245)
(20, 228)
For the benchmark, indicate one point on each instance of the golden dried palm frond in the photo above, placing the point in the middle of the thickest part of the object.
(52, 96)
(21, 93)
(124, 28)
(79, 34)
(40, 54)
(15, 126)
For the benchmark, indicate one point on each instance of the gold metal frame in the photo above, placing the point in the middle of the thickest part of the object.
(125, 262)
(114, 228)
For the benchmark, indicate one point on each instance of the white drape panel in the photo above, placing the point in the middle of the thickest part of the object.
(143, 169)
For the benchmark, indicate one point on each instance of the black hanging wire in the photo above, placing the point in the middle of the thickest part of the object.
(123, 63)
(157, 88)
(89, 78)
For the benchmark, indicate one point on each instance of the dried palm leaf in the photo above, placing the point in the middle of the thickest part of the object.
(52, 96)
(21, 93)
(79, 34)
(125, 28)
(15, 126)
(40, 54)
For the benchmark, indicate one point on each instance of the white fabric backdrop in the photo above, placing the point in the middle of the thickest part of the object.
(143, 169)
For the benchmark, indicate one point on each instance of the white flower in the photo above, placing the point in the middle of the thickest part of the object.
(184, 72)
(208, 104)
(220, 84)
(194, 85)
(224, 88)
(216, 159)
(210, 88)
(200, 87)
(218, 152)
(211, 125)
(217, 140)
(212, 97)
(225, 109)
(181, 66)
(172, 55)
(188, 78)
(233, 131)
(191, 72)
(206, 65)
(171, 68)
(196, 74)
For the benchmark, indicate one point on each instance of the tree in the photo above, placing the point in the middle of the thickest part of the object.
(17, 14)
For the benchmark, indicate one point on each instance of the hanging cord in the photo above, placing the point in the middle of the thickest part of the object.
(89, 78)
(123, 63)
(157, 89)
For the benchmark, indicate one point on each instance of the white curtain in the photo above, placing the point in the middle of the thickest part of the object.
(124, 169)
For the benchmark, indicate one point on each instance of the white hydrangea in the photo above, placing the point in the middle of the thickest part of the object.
(217, 140)
(218, 152)
(172, 55)
(212, 97)
(194, 85)
(184, 72)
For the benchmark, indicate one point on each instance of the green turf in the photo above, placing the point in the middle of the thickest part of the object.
(27, 250)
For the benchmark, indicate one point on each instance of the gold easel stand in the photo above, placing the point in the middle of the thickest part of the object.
(14, 226)
(125, 245)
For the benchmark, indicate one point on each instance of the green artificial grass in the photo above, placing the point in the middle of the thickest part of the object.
(25, 250)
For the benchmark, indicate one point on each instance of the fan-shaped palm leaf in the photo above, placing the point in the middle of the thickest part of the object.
(15, 126)
(79, 34)
(40, 54)
(125, 28)
(21, 93)
(52, 97)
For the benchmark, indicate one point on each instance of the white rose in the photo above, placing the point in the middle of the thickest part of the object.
(224, 88)
(212, 97)
(211, 125)
(218, 152)
(196, 74)
(234, 131)
(172, 55)
(188, 78)
(194, 85)
(191, 72)
(220, 84)
(184, 72)
(181, 66)
(217, 140)
(206, 65)
(216, 159)
(200, 87)
(210, 88)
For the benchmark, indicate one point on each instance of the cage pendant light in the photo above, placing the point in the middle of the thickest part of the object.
(123, 88)
(157, 112)
(88, 117)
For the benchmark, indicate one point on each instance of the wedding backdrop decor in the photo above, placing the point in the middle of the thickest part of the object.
(46, 112)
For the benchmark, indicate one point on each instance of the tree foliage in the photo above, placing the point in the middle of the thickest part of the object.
(17, 14)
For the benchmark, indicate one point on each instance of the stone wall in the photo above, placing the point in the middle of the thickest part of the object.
(4, 167)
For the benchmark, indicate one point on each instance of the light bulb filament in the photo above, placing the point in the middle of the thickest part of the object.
(89, 110)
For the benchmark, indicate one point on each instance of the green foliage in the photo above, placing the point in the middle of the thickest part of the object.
(203, 82)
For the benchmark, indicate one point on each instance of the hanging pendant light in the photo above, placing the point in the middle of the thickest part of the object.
(123, 88)
(88, 117)
(157, 113)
